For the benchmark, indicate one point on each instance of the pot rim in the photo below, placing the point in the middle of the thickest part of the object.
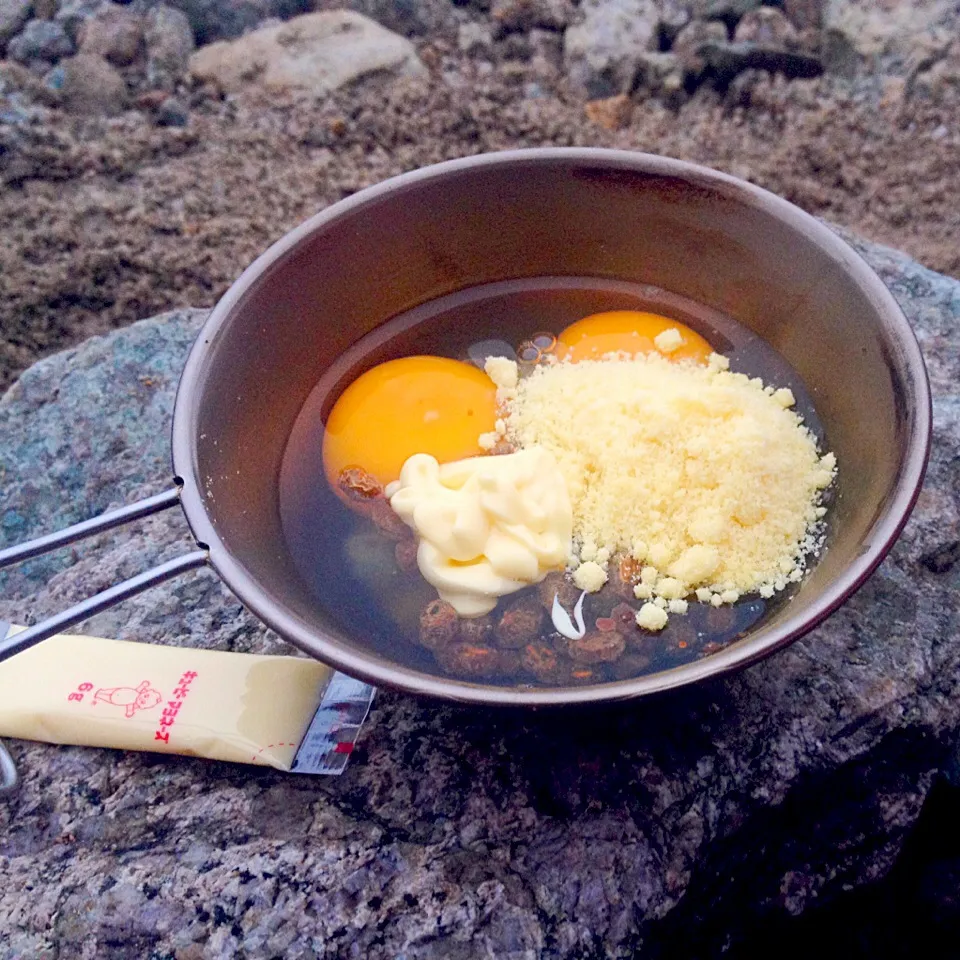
(881, 537)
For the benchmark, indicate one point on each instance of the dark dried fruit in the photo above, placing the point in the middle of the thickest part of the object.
(542, 661)
(557, 584)
(406, 554)
(632, 664)
(358, 485)
(625, 618)
(439, 625)
(606, 624)
(509, 663)
(597, 647)
(521, 622)
(477, 630)
(622, 576)
(471, 660)
(387, 521)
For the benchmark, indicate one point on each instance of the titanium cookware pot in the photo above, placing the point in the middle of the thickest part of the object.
(553, 212)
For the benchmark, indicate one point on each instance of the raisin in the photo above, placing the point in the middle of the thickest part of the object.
(542, 661)
(557, 585)
(597, 647)
(477, 630)
(521, 622)
(387, 520)
(356, 484)
(439, 625)
(625, 618)
(471, 660)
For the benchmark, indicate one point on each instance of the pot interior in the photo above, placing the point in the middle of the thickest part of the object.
(576, 213)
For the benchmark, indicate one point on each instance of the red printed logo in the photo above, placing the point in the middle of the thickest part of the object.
(132, 699)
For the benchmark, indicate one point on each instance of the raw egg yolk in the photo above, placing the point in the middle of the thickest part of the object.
(631, 331)
(413, 405)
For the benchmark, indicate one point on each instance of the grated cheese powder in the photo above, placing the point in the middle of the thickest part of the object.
(705, 475)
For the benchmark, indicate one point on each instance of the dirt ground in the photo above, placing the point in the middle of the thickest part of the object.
(109, 221)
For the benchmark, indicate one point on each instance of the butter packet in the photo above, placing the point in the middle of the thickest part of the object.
(289, 713)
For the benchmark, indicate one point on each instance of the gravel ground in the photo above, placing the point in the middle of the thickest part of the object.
(108, 220)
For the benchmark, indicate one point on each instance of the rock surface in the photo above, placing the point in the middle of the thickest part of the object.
(40, 40)
(89, 85)
(169, 43)
(113, 33)
(13, 15)
(603, 49)
(460, 833)
(318, 52)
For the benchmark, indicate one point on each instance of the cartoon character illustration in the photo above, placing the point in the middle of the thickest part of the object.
(132, 699)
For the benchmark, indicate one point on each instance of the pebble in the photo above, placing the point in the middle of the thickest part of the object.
(602, 51)
(113, 33)
(72, 14)
(40, 40)
(766, 26)
(89, 85)
(526, 14)
(689, 41)
(169, 42)
(172, 113)
(13, 15)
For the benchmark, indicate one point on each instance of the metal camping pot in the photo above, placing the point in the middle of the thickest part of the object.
(553, 212)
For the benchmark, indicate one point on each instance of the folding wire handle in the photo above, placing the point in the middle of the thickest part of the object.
(106, 598)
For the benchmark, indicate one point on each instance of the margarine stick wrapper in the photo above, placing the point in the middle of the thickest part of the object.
(87, 691)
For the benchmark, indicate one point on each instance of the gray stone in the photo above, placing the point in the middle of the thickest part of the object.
(406, 17)
(169, 43)
(113, 33)
(172, 113)
(691, 39)
(213, 20)
(71, 14)
(527, 14)
(13, 15)
(804, 14)
(40, 40)
(475, 38)
(887, 39)
(317, 52)
(602, 50)
(89, 85)
(766, 26)
(461, 833)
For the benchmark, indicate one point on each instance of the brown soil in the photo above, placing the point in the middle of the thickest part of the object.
(107, 222)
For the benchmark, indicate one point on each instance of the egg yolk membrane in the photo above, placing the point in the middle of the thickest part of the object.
(632, 332)
(430, 405)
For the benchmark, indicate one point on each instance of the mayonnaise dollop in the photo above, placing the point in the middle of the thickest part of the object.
(488, 526)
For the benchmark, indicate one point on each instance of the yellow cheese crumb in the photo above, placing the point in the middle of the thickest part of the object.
(590, 576)
(502, 371)
(651, 617)
(488, 441)
(668, 341)
(705, 593)
(729, 596)
(670, 588)
(643, 591)
(677, 606)
(709, 471)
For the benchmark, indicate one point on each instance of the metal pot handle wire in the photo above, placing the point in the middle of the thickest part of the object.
(19, 642)
(12, 645)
